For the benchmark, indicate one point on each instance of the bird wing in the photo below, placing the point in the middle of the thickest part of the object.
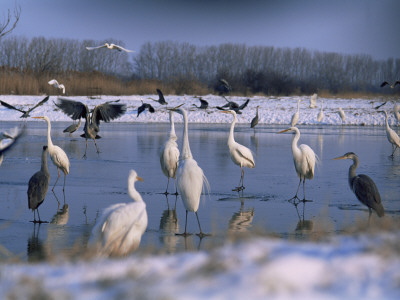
(6, 147)
(244, 104)
(204, 103)
(74, 109)
(107, 112)
(119, 48)
(97, 47)
(53, 82)
(140, 109)
(397, 82)
(151, 108)
(38, 104)
(384, 83)
(309, 160)
(254, 122)
(366, 191)
(11, 107)
(161, 96)
(245, 153)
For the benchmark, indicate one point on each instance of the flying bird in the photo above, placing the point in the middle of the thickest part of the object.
(392, 136)
(25, 113)
(363, 187)
(240, 154)
(189, 176)
(143, 107)
(223, 86)
(111, 47)
(161, 98)
(55, 83)
(57, 155)
(296, 115)
(38, 186)
(391, 85)
(102, 112)
(254, 121)
(12, 137)
(203, 104)
(120, 227)
(304, 160)
(233, 106)
(169, 154)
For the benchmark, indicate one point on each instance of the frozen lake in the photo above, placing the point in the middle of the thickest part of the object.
(101, 180)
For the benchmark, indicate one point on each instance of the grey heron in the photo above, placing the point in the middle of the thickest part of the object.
(25, 113)
(254, 121)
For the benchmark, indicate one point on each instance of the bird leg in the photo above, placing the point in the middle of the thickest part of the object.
(56, 180)
(394, 149)
(65, 176)
(200, 234)
(185, 234)
(166, 191)
(241, 186)
(176, 188)
(295, 196)
(304, 192)
(84, 155)
(97, 149)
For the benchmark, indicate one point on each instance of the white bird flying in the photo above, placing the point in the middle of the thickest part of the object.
(120, 227)
(111, 47)
(55, 83)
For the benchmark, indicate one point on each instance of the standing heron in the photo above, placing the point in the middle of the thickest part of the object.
(363, 187)
(240, 154)
(392, 136)
(169, 154)
(296, 115)
(304, 160)
(38, 186)
(161, 98)
(121, 226)
(321, 113)
(189, 176)
(143, 107)
(25, 113)
(103, 112)
(57, 85)
(57, 155)
(254, 122)
(74, 127)
(342, 114)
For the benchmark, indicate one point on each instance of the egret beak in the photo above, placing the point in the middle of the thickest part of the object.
(286, 130)
(175, 108)
(340, 157)
(37, 117)
(139, 178)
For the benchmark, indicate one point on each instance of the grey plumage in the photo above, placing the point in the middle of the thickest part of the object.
(203, 104)
(38, 186)
(74, 127)
(143, 107)
(25, 113)
(161, 98)
(254, 122)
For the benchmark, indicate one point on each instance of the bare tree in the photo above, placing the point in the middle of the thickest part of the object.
(7, 25)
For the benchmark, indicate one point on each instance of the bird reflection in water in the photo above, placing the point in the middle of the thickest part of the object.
(62, 215)
(241, 220)
(169, 227)
(303, 225)
(36, 250)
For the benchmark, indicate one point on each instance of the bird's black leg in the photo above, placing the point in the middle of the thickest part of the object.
(56, 181)
(304, 191)
(185, 234)
(84, 155)
(166, 191)
(201, 234)
(176, 189)
(65, 176)
(97, 149)
(295, 196)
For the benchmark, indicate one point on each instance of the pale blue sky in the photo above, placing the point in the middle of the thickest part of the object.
(343, 26)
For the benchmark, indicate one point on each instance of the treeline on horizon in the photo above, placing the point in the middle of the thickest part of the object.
(26, 65)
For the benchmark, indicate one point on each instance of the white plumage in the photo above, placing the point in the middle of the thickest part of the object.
(313, 100)
(296, 115)
(342, 114)
(111, 47)
(392, 136)
(120, 227)
(55, 83)
(321, 113)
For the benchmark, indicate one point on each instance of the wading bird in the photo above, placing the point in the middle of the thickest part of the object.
(189, 176)
(203, 104)
(296, 115)
(313, 100)
(121, 226)
(321, 113)
(111, 47)
(57, 85)
(161, 98)
(169, 154)
(304, 160)
(143, 107)
(391, 85)
(254, 122)
(392, 136)
(342, 115)
(74, 127)
(57, 155)
(38, 186)
(25, 113)
(102, 112)
(240, 154)
(363, 187)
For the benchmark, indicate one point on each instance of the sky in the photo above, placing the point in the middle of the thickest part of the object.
(342, 26)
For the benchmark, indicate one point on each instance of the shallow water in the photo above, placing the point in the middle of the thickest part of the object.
(101, 180)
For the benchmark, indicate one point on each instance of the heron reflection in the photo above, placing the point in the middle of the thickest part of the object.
(36, 250)
(169, 227)
(241, 220)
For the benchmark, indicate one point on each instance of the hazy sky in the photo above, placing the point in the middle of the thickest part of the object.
(343, 26)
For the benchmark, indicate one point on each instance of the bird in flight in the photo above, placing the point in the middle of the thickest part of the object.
(111, 47)
(55, 83)
(25, 113)
(143, 107)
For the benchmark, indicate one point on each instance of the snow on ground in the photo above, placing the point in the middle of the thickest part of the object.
(273, 110)
(363, 266)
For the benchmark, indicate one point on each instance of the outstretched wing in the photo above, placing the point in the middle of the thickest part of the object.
(161, 96)
(384, 83)
(38, 104)
(6, 147)
(119, 48)
(203, 102)
(107, 112)
(74, 109)
(10, 106)
(244, 104)
(97, 47)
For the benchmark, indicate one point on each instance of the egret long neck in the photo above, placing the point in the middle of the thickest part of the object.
(133, 193)
(352, 171)
(295, 140)
(231, 137)
(43, 167)
(386, 120)
(186, 153)
(49, 141)
(172, 133)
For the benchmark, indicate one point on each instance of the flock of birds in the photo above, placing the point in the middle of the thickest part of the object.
(119, 229)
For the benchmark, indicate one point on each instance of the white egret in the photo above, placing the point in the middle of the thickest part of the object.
(189, 176)
(342, 115)
(254, 121)
(396, 111)
(57, 85)
(363, 187)
(392, 136)
(169, 154)
(57, 155)
(296, 115)
(25, 113)
(304, 160)
(313, 100)
(38, 186)
(111, 47)
(240, 154)
(321, 113)
(120, 227)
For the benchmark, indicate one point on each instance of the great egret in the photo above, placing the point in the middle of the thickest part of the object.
(121, 226)
(25, 113)
(392, 136)
(342, 114)
(102, 112)
(321, 113)
(161, 98)
(203, 104)
(74, 127)
(304, 160)
(143, 107)
(363, 187)
(313, 100)
(295, 116)
(111, 47)
(391, 85)
(254, 121)
(396, 111)
(240, 154)
(189, 176)
(169, 154)
(38, 186)
(57, 85)
(57, 155)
